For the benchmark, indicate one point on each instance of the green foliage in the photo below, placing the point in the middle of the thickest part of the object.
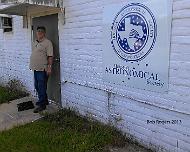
(13, 90)
(16, 85)
(63, 131)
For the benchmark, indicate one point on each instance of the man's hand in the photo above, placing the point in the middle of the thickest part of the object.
(49, 70)
(50, 62)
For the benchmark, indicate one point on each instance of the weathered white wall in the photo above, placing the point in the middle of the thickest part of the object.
(15, 49)
(128, 109)
(83, 87)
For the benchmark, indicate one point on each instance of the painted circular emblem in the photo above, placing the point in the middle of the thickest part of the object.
(134, 32)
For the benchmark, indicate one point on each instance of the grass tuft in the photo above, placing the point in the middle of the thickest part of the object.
(13, 90)
(7, 95)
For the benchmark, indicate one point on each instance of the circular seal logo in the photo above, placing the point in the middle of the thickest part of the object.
(134, 32)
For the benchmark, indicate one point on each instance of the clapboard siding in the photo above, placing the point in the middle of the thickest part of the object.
(82, 69)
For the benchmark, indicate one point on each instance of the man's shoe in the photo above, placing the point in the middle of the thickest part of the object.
(39, 109)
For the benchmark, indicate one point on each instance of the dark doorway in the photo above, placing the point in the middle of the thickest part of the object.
(51, 24)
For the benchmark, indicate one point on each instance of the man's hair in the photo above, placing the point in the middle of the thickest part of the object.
(41, 28)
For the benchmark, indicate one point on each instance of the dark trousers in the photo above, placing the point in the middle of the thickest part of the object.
(40, 83)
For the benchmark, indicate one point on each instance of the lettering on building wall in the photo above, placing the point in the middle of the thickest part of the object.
(130, 73)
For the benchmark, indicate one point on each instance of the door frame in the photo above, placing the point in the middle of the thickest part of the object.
(32, 16)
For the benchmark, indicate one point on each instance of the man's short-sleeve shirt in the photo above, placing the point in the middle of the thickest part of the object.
(40, 52)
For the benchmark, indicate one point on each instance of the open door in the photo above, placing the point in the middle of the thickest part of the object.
(51, 24)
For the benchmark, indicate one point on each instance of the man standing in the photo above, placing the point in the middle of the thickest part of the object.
(41, 63)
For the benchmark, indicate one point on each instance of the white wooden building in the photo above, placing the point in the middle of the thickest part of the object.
(77, 33)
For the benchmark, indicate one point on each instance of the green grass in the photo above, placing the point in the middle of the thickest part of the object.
(63, 131)
(7, 94)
